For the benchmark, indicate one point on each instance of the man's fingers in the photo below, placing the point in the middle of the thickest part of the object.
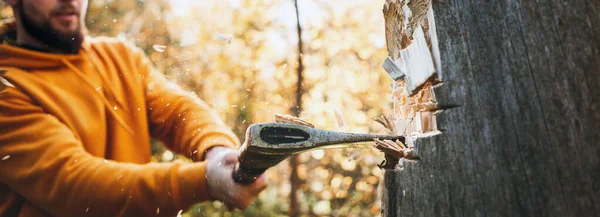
(258, 185)
(223, 187)
(246, 193)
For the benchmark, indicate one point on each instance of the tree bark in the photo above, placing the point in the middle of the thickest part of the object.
(520, 135)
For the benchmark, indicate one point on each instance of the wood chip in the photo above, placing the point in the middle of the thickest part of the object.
(338, 118)
(223, 37)
(386, 122)
(389, 147)
(394, 150)
(292, 120)
(159, 48)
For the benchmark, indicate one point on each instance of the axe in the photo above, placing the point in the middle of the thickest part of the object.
(267, 144)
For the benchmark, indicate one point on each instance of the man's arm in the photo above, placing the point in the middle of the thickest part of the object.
(189, 126)
(49, 167)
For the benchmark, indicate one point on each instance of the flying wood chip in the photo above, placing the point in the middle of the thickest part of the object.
(292, 120)
(386, 122)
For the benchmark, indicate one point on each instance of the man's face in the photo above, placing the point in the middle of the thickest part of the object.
(57, 23)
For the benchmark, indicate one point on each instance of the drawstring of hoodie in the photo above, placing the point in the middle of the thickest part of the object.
(108, 105)
(104, 79)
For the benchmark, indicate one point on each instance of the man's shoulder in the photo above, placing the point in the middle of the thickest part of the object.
(112, 44)
(106, 40)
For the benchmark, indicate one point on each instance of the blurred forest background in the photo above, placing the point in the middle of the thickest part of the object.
(241, 57)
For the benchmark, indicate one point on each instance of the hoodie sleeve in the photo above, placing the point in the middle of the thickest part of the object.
(181, 120)
(43, 161)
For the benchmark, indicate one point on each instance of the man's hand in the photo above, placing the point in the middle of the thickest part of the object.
(221, 185)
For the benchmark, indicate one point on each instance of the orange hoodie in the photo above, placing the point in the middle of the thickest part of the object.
(75, 134)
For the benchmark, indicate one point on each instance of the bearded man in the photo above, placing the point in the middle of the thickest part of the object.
(77, 115)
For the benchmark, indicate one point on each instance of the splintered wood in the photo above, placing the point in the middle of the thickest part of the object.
(413, 51)
(288, 119)
(394, 148)
(394, 151)
(414, 99)
(415, 114)
(412, 42)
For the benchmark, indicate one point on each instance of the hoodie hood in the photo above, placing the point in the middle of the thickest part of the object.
(12, 56)
(18, 57)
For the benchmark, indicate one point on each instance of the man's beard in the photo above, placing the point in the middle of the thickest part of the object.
(55, 40)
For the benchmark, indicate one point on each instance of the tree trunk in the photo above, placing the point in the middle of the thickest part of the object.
(295, 182)
(517, 88)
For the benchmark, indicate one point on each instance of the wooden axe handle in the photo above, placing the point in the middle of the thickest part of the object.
(252, 164)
